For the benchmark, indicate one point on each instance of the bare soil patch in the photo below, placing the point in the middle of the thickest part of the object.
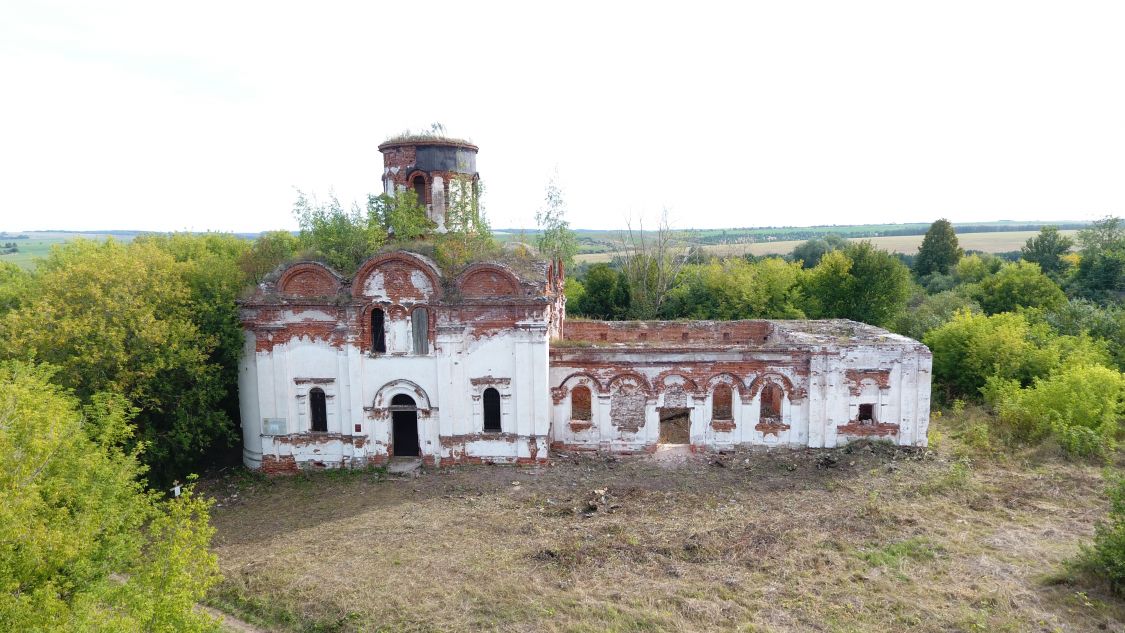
(871, 538)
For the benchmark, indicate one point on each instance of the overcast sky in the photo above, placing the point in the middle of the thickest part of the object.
(208, 115)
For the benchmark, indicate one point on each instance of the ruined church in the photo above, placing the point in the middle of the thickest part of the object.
(482, 365)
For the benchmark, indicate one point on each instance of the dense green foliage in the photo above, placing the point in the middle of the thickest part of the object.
(153, 320)
(1078, 406)
(1014, 286)
(859, 282)
(1047, 249)
(939, 251)
(343, 238)
(811, 251)
(736, 289)
(85, 546)
(606, 294)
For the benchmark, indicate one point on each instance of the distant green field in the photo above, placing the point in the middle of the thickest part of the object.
(40, 243)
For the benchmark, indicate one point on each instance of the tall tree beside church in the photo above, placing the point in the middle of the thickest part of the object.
(939, 251)
(556, 241)
(131, 319)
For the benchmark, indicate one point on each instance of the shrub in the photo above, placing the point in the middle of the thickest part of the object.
(972, 348)
(1106, 558)
(1078, 406)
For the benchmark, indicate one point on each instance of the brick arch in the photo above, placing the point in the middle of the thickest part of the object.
(786, 385)
(400, 262)
(401, 386)
(734, 382)
(565, 382)
(641, 381)
(661, 381)
(488, 280)
(308, 279)
(424, 195)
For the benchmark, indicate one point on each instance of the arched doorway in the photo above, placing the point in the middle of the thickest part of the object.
(404, 422)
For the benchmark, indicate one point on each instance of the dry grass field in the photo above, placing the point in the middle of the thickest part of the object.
(867, 539)
(989, 242)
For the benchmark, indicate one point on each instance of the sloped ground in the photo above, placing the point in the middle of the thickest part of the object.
(872, 539)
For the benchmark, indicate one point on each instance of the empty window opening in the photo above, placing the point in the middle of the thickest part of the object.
(726, 336)
(318, 410)
(420, 188)
(491, 410)
(580, 404)
(771, 404)
(721, 403)
(420, 329)
(603, 336)
(404, 421)
(378, 332)
(675, 425)
(867, 412)
(684, 336)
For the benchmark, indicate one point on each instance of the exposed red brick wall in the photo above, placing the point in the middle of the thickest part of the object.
(488, 282)
(671, 333)
(284, 465)
(580, 404)
(721, 403)
(308, 281)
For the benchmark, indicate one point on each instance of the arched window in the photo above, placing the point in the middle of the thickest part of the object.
(491, 410)
(580, 404)
(378, 331)
(318, 411)
(419, 186)
(721, 403)
(771, 404)
(420, 329)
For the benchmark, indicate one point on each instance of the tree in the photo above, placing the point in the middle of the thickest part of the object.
(401, 215)
(651, 263)
(344, 239)
(931, 311)
(1018, 285)
(86, 547)
(468, 236)
(266, 253)
(939, 251)
(131, 319)
(1047, 250)
(860, 283)
(15, 287)
(606, 293)
(556, 241)
(1101, 269)
(810, 252)
(736, 289)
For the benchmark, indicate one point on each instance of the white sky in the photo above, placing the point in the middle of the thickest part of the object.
(206, 115)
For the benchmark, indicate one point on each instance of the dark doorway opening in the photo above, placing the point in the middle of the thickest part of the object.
(675, 425)
(420, 188)
(404, 421)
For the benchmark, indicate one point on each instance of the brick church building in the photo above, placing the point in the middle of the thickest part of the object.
(482, 365)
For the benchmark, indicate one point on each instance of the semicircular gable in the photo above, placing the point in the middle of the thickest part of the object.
(398, 278)
(308, 279)
(488, 280)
